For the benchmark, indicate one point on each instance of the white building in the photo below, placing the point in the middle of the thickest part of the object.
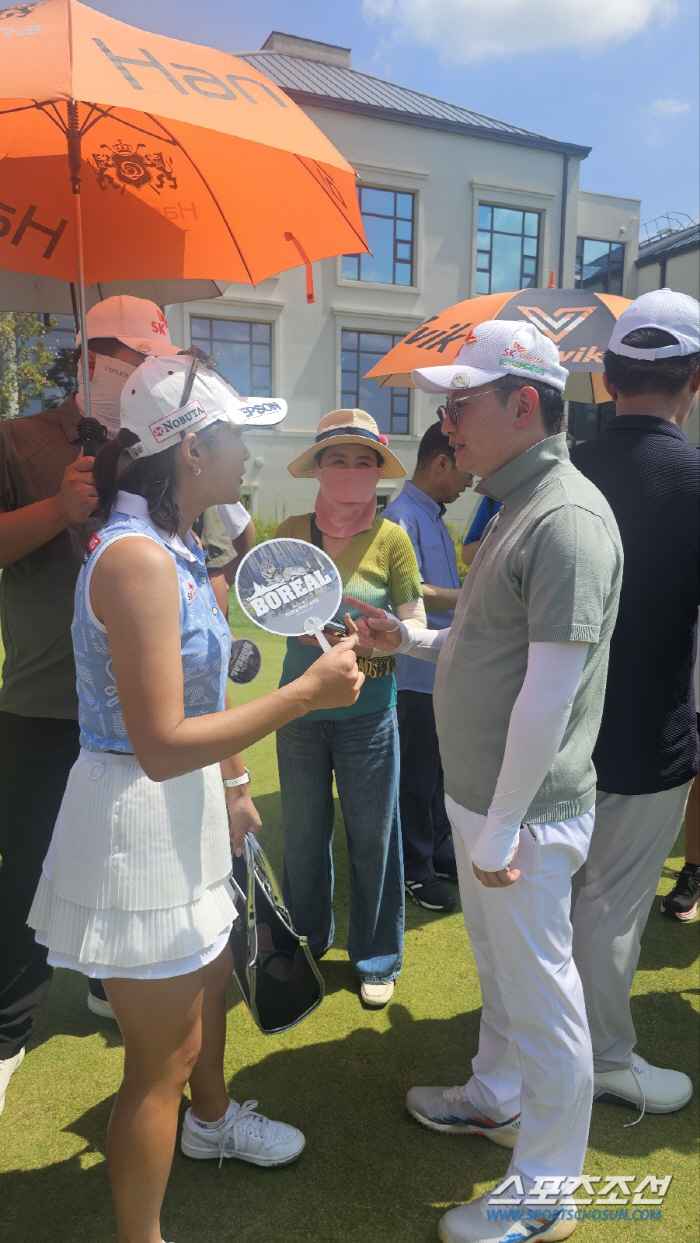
(454, 204)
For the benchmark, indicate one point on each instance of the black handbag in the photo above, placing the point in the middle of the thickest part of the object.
(273, 965)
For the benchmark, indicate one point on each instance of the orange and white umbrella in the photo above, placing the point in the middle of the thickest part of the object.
(179, 163)
(579, 323)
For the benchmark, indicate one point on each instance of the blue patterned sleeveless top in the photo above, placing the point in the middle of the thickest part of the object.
(205, 636)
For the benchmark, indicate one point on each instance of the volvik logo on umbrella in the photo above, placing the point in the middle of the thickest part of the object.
(560, 323)
(122, 164)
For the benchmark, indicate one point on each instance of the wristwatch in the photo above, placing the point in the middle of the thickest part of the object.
(230, 782)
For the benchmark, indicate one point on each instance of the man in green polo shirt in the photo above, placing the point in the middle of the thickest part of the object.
(519, 693)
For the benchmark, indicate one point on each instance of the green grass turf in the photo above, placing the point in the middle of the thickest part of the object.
(369, 1171)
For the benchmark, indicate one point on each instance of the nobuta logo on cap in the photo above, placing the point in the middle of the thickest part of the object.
(180, 420)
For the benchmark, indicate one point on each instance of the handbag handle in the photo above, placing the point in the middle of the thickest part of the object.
(256, 857)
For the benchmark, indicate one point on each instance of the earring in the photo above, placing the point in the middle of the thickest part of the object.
(196, 470)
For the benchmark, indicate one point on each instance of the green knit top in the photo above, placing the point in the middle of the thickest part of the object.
(379, 567)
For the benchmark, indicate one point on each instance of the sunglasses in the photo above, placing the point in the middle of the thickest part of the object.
(449, 413)
(201, 359)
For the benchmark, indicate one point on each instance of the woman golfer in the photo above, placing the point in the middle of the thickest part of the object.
(135, 886)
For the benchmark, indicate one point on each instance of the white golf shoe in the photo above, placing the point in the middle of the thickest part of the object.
(447, 1110)
(244, 1135)
(645, 1087)
(479, 1223)
(7, 1070)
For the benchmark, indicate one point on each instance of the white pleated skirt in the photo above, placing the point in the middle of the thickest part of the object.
(136, 881)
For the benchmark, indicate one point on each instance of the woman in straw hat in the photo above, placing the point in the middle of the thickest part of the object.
(359, 743)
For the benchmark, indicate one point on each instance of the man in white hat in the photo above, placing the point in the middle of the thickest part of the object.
(647, 751)
(46, 498)
(518, 696)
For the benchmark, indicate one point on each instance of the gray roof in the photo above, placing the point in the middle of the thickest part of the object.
(312, 82)
(679, 242)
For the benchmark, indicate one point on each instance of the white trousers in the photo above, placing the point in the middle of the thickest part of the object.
(612, 896)
(534, 1053)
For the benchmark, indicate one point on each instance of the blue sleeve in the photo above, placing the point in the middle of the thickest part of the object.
(407, 522)
(481, 519)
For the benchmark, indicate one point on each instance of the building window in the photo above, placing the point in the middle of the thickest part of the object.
(387, 216)
(586, 420)
(389, 406)
(599, 265)
(243, 351)
(507, 249)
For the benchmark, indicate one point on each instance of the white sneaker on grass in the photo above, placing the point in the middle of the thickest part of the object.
(645, 1087)
(243, 1134)
(448, 1110)
(101, 1008)
(7, 1069)
(377, 994)
(479, 1223)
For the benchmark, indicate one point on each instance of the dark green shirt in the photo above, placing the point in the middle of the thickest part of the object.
(36, 592)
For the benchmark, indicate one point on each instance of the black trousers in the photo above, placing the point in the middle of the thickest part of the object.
(425, 827)
(36, 756)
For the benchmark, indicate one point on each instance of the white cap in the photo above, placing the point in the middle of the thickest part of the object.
(135, 322)
(676, 313)
(493, 349)
(151, 404)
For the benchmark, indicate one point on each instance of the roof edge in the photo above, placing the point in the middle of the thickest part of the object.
(311, 99)
(645, 261)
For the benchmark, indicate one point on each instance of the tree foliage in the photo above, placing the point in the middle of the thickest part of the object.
(25, 361)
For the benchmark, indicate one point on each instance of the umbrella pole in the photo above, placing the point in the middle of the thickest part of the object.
(74, 161)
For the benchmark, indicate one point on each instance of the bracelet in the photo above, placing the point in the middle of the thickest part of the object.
(231, 782)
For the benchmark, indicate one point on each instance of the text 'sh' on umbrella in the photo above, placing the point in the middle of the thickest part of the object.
(578, 322)
(128, 156)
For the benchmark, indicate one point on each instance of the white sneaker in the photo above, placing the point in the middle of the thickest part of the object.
(645, 1087)
(7, 1070)
(243, 1134)
(479, 1223)
(447, 1110)
(377, 995)
(101, 1008)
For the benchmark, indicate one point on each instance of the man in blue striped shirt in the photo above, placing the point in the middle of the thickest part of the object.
(419, 509)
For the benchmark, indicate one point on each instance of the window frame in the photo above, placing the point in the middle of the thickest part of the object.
(523, 209)
(578, 281)
(375, 330)
(412, 285)
(193, 312)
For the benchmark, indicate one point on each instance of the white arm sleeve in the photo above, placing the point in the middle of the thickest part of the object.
(425, 644)
(538, 721)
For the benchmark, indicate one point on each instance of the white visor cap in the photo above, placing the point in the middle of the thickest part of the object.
(496, 348)
(151, 404)
(675, 313)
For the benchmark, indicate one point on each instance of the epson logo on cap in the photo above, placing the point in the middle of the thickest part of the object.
(179, 421)
(261, 407)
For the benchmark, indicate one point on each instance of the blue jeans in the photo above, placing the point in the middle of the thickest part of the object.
(364, 754)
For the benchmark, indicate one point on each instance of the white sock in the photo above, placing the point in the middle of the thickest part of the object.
(214, 1126)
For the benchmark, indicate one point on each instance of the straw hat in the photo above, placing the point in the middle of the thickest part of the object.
(347, 427)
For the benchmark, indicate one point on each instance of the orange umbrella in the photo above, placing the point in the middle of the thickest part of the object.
(580, 324)
(178, 162)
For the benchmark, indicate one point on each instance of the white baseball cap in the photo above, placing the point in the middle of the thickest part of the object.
(493, 349)
(675, 313)
(135, 322)
(151, 403)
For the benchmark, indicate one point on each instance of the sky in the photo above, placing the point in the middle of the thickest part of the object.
(620, 76)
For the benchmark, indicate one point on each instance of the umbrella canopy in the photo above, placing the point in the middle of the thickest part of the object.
(20, 291)
(579, 323)
(189, 163)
